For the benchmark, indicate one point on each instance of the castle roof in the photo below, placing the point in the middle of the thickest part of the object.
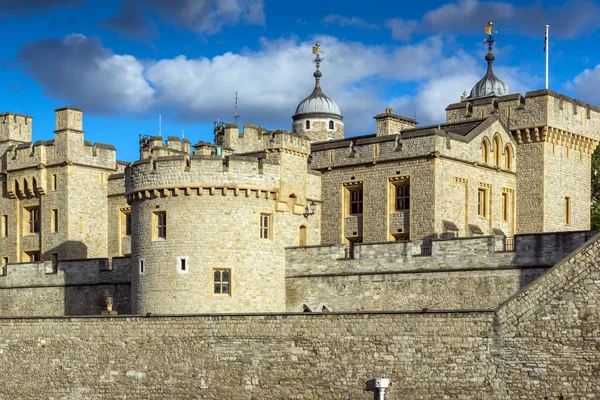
(489, 85)
(317, 102)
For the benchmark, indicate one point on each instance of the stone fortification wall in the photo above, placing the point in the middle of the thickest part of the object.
(463, 273)
(540, 344)
(566, 175)
(77, 287)
(535, 109)
(549, 332)
(289, 356)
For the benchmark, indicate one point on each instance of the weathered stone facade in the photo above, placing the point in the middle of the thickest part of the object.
(541, 343)
(373, 238)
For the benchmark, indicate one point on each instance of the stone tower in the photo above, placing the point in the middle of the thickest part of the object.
(318, 116)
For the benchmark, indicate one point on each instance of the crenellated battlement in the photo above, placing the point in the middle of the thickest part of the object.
(47, 153)
(284, 140)
(154, 146)
(537, 109)
(250, 139)
(202, 174)
(15, 127)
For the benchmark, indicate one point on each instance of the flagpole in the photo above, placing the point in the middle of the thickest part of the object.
(546, 47)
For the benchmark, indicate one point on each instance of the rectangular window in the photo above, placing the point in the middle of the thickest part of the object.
(54, 182)
(126, 223)
(142, 266)
(5, 225)
(568, 210)
(4, 189)
(222, 281)
(32, 256)
(160, 225)
(182, 265)
(356, 202)
(54, 262)
(482, 203)
(33, 220)
(505, 206)
(265, 226)
(54, 221)
(403, 197)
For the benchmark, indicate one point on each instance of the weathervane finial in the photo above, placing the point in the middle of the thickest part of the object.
(490, 40)
(316, 50)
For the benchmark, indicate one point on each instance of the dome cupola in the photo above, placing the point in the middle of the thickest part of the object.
(317, 102)
(489, 85)
(318, 116)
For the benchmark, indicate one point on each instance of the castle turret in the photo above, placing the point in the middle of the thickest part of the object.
(209, 230)
(318, 116)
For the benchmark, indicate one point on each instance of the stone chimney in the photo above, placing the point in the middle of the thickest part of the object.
(392, 124)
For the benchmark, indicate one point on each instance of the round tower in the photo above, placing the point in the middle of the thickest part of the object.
(209, 232)
(318, 116)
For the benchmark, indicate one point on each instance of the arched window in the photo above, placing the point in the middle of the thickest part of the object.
(303, 236)
(330, 124)
(497, 150)
(508, 157)
(307, 124)
(485, 151)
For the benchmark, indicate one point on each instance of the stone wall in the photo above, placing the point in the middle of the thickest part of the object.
(542, 343)
(464, 273)
(78, 287)
(234, 357)
(549, 333)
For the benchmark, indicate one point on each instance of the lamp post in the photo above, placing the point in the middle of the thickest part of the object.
(381, 384)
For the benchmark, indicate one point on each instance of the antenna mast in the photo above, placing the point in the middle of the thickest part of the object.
(236, 115)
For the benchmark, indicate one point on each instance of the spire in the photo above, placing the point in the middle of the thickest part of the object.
(317, 102)
(490, 85)
(316, 50)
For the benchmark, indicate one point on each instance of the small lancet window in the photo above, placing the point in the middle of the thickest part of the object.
(331, 125)
(307, 124)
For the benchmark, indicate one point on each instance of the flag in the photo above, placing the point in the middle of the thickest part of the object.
(545, 38)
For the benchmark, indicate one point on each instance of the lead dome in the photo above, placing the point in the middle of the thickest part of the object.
(317, 102)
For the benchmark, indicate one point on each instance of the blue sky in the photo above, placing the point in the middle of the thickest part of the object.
(127, 61)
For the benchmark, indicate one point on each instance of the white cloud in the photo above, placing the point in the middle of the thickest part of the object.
(567, 20)
(271, 81)
(79, 70)
(586, 84)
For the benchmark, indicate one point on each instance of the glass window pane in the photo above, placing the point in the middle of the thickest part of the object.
(225, 276)
(217, 276)
(217, 288)
(225, 289)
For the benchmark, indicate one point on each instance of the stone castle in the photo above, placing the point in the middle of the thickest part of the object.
(445, 242)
